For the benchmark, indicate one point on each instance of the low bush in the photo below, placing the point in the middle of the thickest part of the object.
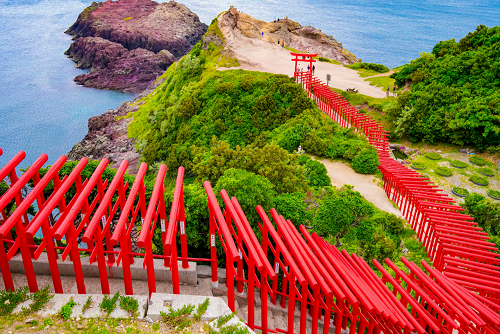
(369, 66)
(461, 191)
(458, 164)
(480, 181)
(418, 165)
(443, 171)
(67, 309)
(486, 172)
(477, 160)
(433, 155)
(494, 193)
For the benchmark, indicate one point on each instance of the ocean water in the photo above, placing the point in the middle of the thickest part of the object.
(43, 111)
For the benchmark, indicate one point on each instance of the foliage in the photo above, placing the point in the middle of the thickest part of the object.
(477, 160)
(433, 155)
(458, 164)
(341, 210)
(366, 161)
(481, 181)
(109, 304)
(327, 60)
(87, 304)
(178, 319)
(130, 304)
(201, 309)
(494, 193)
(40, 298)
(443, 171)
(369, 66)
(418, 165)
(10, 299)
(250, 190)
(461, 191)
(67, 309)
(315, 172)
(292, 206)
(224, 319)
(455, 91)
(485, 212)
(486, 171)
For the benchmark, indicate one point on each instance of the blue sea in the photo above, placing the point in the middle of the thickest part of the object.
(43, 111)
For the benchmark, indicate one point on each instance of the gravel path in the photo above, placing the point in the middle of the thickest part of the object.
(367, 185)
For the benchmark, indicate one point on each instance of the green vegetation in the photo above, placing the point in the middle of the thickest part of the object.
(224, 319)
(67, 309)
(486, 172)
(40, 298)
(347, 220)
(455, 95)
(461, 191)
(458, 164)
(327, 60)
(178, 319)
(433, 156)
(477, 160)
(201, 309)
(486, 213)
(108, 304)
(443, 171)
(130, 304)
(368, 69)
(418, 165)
(382, 81)
(87, 304)
(480, 181)
(494, 193)
(10, 299)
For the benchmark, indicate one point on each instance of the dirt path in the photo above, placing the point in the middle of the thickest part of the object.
(341, 174)
(260, 55)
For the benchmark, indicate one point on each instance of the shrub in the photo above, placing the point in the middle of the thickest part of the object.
(369, 66)
(494, 193)
(366, 162)
(130, 304)
(433, 156)
(480, 181)
(458, 164)
(486, 172)
(67, 309)
(460, 191)
(292, 206)
(443, 171)
(418, 165)
(477, 160)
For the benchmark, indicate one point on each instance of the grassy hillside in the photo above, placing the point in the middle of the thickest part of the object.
(454, 95)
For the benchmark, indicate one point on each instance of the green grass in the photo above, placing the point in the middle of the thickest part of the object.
(67, 309)
(108, 304)
(494, 193)
(443, 171)
(383, 82)
(327, 60)
(478, 160)
(458, 164)
(130, 304)
(461, 191)
(418, 165)
(479, 180)
(433, 156)
(178, 319)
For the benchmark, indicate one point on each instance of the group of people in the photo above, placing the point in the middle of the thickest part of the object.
(299, 69)
(393, 91)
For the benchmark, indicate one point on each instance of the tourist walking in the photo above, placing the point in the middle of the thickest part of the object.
(282, 45)
(387, 93)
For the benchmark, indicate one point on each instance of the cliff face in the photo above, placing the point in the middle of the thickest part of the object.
(126, 44)
(303, 38)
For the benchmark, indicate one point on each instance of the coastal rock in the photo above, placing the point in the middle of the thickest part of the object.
(128, 43)
(114, 67)
(107, 136)
(294, 35)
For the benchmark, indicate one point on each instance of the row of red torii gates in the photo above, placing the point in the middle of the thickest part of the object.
(332, 289)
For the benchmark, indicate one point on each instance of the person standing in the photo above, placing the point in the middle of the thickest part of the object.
(282, 45)
(262, 34)
(394, 90)
(278, 42)
(314, 67)
(308, 68)
(387, 93)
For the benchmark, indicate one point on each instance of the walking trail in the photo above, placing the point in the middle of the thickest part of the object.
(260, 55)
(367, 185)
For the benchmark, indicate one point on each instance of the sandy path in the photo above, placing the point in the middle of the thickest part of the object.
(341, 174)
(259, 55)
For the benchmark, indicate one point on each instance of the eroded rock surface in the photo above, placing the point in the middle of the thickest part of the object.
(127, 44)
(294, 35)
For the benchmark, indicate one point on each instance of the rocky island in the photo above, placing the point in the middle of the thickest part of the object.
(127, 44)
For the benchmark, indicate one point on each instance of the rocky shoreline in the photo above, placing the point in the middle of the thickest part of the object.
(127, 44)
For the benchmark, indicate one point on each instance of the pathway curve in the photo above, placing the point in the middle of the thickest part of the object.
(341, 174)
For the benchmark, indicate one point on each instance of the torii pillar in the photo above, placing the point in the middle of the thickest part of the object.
(303, 57)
